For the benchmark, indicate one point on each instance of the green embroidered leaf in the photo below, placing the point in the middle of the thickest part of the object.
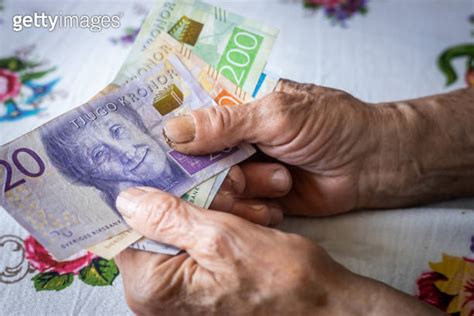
(446, 58)
(16, 64)
(99, 272)
(52, 281)
(35, 75)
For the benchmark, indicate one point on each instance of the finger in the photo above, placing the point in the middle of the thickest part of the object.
(265, 180)
(258, 212)
(235, 181)
(216, 128)
(233, 185)
(253, 180)
(170, 220)
(159, 216)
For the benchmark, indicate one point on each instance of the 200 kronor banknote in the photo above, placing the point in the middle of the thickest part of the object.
(237, 47)
(60, 181)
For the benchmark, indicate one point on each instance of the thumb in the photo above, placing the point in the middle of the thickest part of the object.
(165, 218)
(216, 128)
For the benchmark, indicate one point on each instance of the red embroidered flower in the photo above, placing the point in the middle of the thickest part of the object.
(41, 260)
(9, 85)
(325, 3)
(428, 292)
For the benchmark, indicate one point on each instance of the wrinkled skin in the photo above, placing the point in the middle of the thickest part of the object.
(327, 136)
(344, 154)
(234, 267)
(335, 153)
(221, 271)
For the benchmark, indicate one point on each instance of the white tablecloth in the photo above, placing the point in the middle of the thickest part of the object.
(390, 53)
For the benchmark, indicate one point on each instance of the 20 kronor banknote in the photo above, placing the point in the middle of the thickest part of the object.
(221, 90)
(201, 30)
(60, 181)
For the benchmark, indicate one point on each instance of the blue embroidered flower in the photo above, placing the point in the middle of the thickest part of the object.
(39, 90)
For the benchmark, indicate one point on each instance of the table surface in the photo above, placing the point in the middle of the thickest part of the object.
(389, 53)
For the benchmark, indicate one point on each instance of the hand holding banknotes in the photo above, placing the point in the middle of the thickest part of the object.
(344, 155)
(324, 134)
(234, 267)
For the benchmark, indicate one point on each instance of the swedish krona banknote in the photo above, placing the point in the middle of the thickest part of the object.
(61, 180)
(150, 48)
(235, 46)
(224, 93)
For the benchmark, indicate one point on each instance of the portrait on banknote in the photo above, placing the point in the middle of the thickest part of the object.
(109, 148)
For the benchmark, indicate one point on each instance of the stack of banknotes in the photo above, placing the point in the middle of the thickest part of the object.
(60, 181)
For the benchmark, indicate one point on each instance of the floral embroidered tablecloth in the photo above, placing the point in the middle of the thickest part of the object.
(377, 50)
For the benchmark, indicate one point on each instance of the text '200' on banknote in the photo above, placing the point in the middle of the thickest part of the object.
(61, 180)
(237, 47)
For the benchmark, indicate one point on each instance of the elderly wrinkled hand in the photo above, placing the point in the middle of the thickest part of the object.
(342, 153)
(326, 134)
(334, 153)
(234, 267)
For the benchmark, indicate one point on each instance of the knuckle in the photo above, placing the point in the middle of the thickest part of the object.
(217, 240)
(276, 98)
(220, 117)
(276, 108)
(304, 252)
(289, 86)
(303, 244)
(220, 121)
(160, 214)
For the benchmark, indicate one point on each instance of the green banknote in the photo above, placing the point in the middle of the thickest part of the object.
(237, 47)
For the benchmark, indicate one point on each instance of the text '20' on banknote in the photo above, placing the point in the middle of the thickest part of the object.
(61, 180)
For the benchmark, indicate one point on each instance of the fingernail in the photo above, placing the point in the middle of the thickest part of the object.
(180, 129)
(127, 201)
(233, 184)
(276, 216)
(223, 201)
(265, 216)
(259, 208)
(280, 180)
